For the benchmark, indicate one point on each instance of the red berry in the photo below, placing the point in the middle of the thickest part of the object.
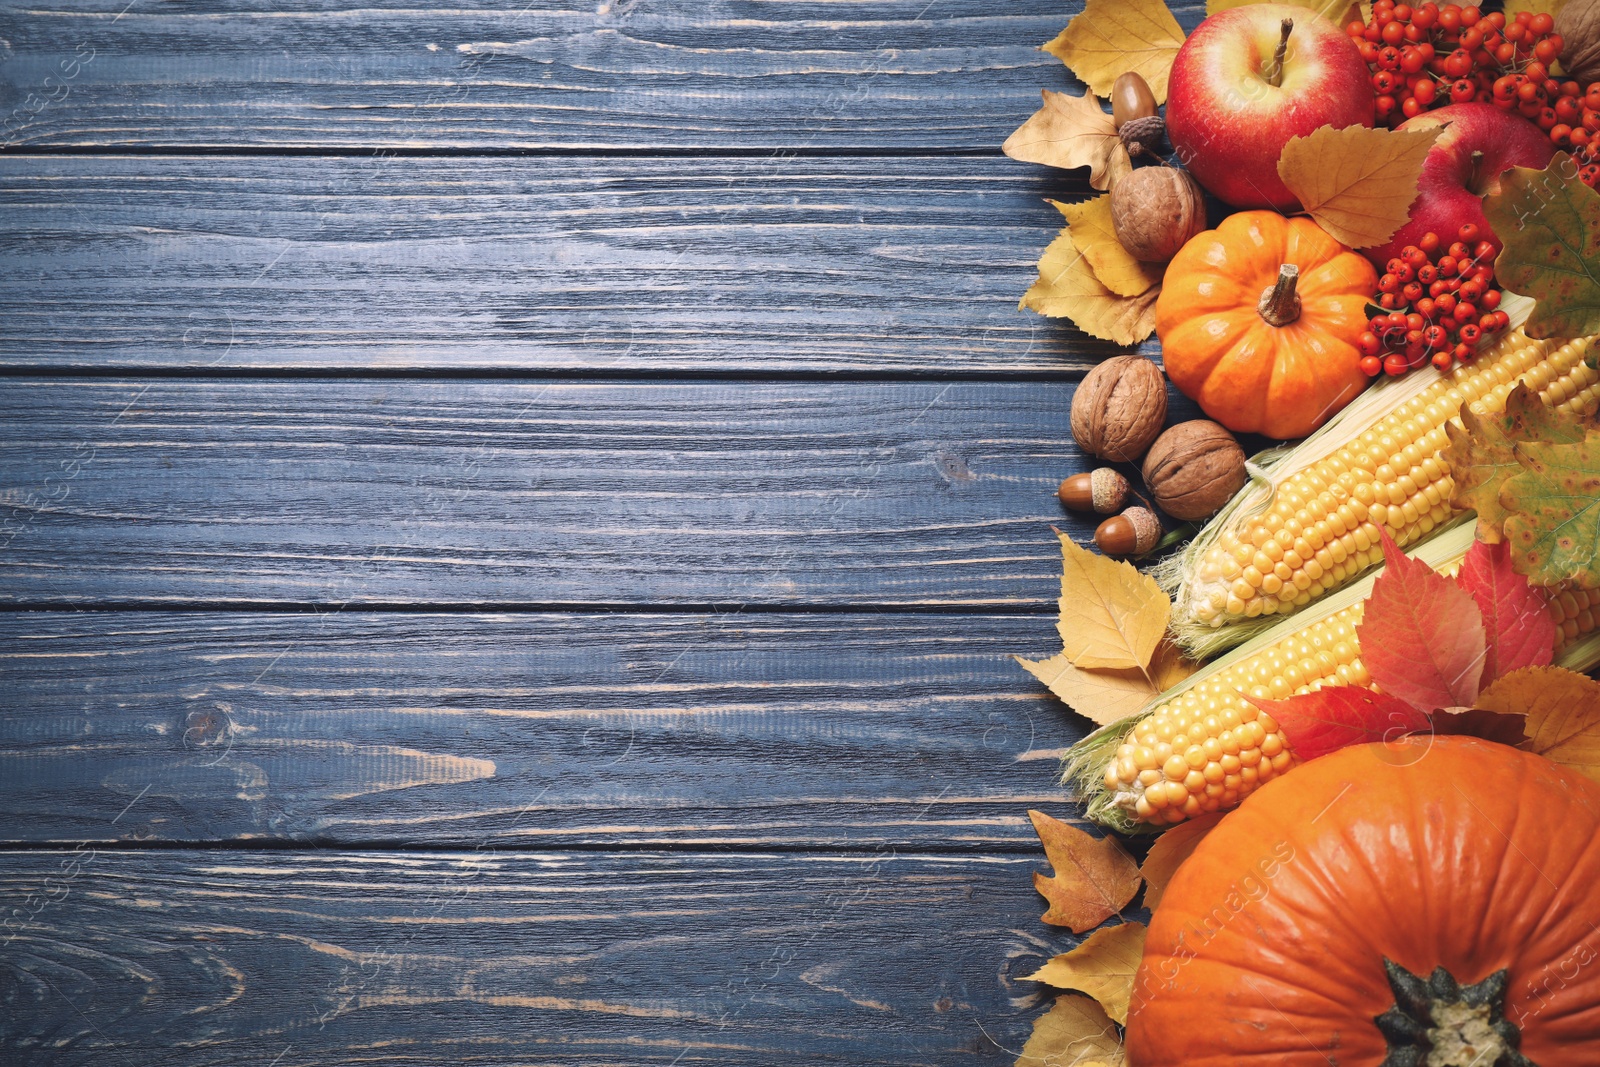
(1442, 360)
(1501, 320)
(1371, 366)
(1462, 91)
(1428, 275)
(1423, 92)
(1541, 24)
(1412, 292)
(1472, 291)
(1395, 364)
(1388, 283)
(1470, 16)
(1470, 334)
(1465, 312)
(1449, 17)
(1447, 266)
(1415, 322)
(1462, 353)
(1459, 251)
(1369, 344)
(1458, 64)
(1489, 300)
(1425, 307)
(1468, 232)
(1483, 251)
(1488, 323)
(1429, 242)
(1445, 303)
(1393, 33)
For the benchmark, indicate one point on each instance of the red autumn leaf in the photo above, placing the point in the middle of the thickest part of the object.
(1516, 616)
(1421, 635)
(1341, 715)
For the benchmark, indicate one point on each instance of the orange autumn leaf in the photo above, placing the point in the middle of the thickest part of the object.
(1563, 710)
(1075, 1032)
(1070, 132)
(1357, 183)
(1169, 852)
(1103, 967)
(1093, 880)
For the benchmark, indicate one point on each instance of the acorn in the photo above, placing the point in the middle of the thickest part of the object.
(1132, 533)
(1134, 115)
(1102, 491)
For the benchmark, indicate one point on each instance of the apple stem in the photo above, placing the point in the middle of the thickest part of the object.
(1475, 182)
(1280, 304)
(1275, 72)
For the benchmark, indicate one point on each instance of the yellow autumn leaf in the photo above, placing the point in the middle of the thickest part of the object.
(1070, 132)
(1563, 709)
(1103, 967)
(1075, 1032)
(1342, 12)
(1111, 615)
(1356, 183)
(1094, 235)
(1107, 696)
(1533, 7)
(1110, 37)
(1168, 853)
(1067, 288)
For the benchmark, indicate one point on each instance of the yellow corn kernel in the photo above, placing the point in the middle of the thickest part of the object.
(1322, 525)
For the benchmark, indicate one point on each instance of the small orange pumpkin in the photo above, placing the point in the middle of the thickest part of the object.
(1258, 321)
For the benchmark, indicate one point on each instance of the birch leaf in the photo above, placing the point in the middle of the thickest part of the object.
(1109, 37)
(1358, 184)
(1107, 696)
(1075, 1032)
(1103, 967)
(1111, 615)
(1069, 132)
(1067, 288)
(1563, 710)
(1096, 238)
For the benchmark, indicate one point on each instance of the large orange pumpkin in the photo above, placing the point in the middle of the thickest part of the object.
(1334, 916)
(1258, 321)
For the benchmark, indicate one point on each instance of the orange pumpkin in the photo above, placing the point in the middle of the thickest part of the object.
(1258, 321)
(1348, 907)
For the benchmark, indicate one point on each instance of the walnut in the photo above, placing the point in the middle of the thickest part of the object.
(1578, 23)
(1194, 469)
(1118, 408)
(1155, 211)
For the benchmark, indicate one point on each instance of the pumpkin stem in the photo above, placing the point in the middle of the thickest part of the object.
(1275, 72)
(1436, 1022)
(1280, 304)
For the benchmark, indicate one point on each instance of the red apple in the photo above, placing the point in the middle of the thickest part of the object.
(1231, 106)
(1480, 143)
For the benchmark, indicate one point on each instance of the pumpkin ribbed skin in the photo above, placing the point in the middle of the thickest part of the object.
(1251, 376)
(1268, 945)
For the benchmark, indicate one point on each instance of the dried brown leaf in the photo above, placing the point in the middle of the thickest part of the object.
(1103, 967)
(1168, 853)
(1094, 235)
(1075, 1032)
(1094, 878)
(1357, 183)
(1109, 37)
(1069, 132)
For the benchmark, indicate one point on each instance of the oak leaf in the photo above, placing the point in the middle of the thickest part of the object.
(1094, 878)
(1067, 288)
(1563, 710)
(1107, 696)
(1111, 615)
(1075, 1032)
(1069, 132)
(1518, 629)
(1338, 716)
(1550, 223)
(1481, 456)
(1357, 183)
(1168, 853)
(1103, 967)
(1421, 635)
(1109, 37)
(1553, 512)
(1094, 235)
(1341, 12)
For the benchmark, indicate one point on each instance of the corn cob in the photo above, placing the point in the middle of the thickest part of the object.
(1308, 522)
(1202, 746)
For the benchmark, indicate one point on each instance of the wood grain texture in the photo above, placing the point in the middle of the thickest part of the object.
(603, 266)
(634, 74)
(189, 958)
(525, 493)
(527, 730)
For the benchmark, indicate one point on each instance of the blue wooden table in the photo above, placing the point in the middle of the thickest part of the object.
(515, 522)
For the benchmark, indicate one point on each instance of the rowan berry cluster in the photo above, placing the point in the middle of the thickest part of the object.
(1436, 302)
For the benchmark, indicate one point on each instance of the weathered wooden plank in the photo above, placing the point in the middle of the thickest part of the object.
(192, 958)
(615, 74)
(814, 730)
(539, 265)
(524, 493)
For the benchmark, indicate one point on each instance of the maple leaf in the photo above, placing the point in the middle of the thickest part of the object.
(1341, 12)
(1070, 132)
(1107, 696)
(1563, 710)
(1109, 37)
(1338, 716)
(1480, 722)
(1481, 455)
(1111, 615)
(1357, 183)
(1094, 235)
(1067, 288)
(1075, 1032)
(1421, 635)
(1553, 512)
(1094, 878)
(1168, 853)
(1517, 626)
(1550, 223)
(1103, 967)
